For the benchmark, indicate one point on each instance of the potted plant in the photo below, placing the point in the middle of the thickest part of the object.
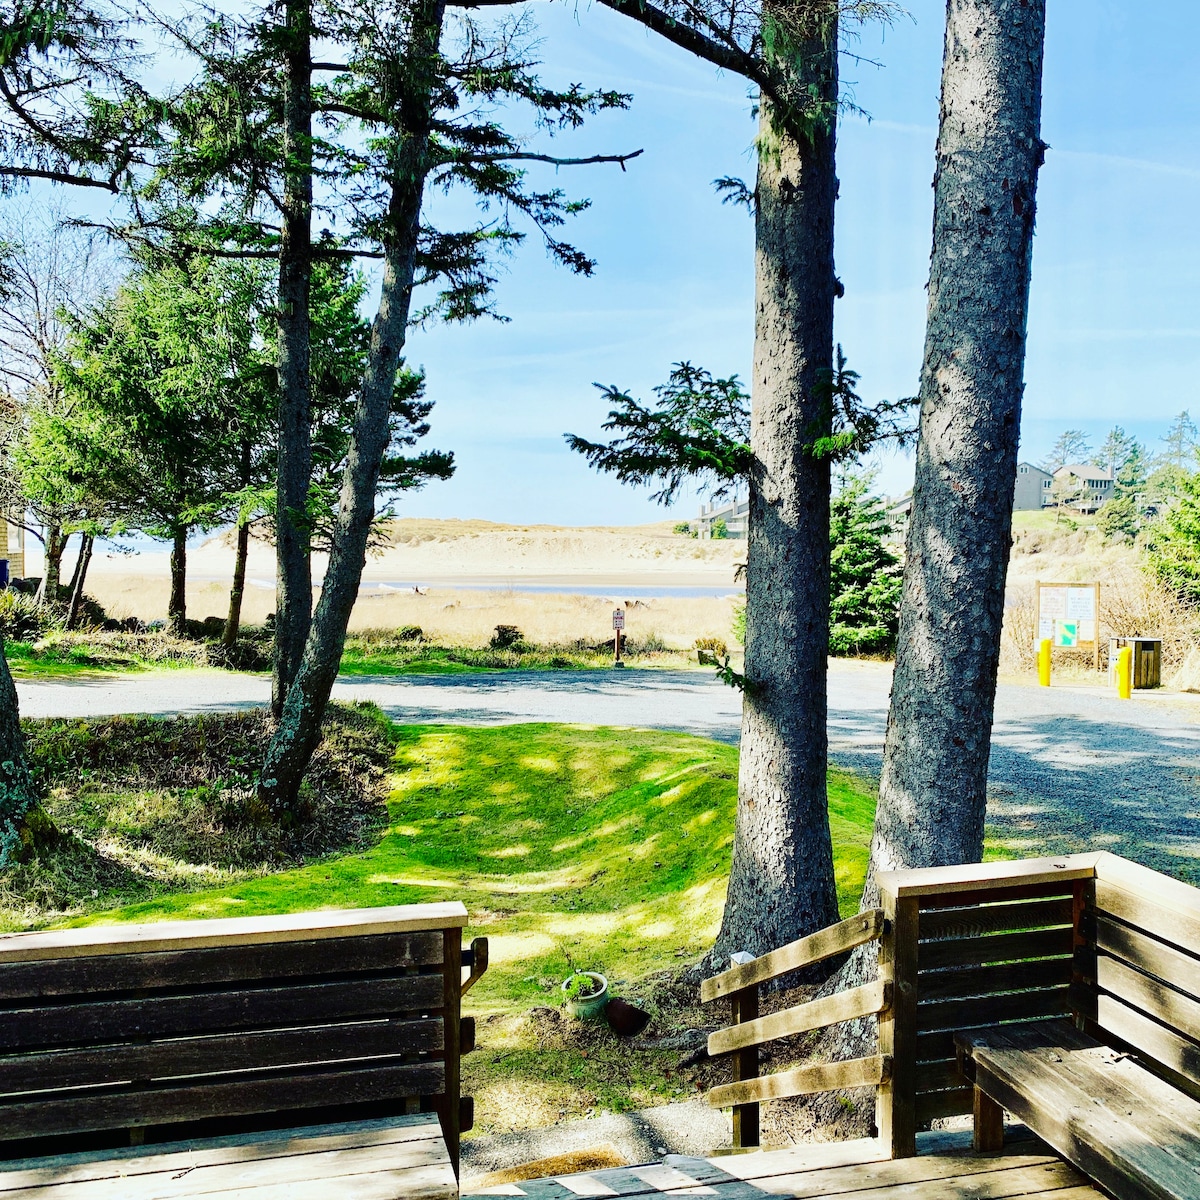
(585, 993)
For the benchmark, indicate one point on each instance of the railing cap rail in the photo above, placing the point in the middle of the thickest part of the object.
(930, 881)
(229, 931)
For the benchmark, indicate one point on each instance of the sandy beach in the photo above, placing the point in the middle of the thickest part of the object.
(458, 579)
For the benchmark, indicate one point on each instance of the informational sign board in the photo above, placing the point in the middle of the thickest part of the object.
(1069, 615)
(618, 618)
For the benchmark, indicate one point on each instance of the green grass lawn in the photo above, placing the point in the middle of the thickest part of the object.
(603, 848)
(607, 846)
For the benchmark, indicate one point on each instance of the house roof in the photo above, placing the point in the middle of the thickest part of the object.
(1085, 471)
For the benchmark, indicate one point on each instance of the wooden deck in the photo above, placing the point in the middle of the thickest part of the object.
(857, 1170)
(364, 1160)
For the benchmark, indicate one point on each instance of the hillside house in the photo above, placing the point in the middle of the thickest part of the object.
(1033, 488)
(1087, 485)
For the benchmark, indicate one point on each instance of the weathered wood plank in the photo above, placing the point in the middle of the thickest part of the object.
(963, 1184)
(803, 1081)
(994, 980)
(217, 1053)
(231, 931)
(1172, 894)
(953, 1102)
(1088, 1113)
(998, 948)
(895, 1114)
(475, 964)
(242, 1096)
(946, 881)
(747, 1126)
(824, 944)
(1152, 1039)
(981, 919)
(1177, 967)
(169, 1158)
(938, 1076)
(107, 973)
(988, 1010)
(225, 1178)
(1173, 1008)
(262, 1007)
(1179, 926)
(828, 1010)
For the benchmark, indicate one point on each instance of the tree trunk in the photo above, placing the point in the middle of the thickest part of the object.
(234, 621)
(293, 603)
(177, 605)
(18, 799)
(78, 560)
(299, 729)
(933, 789)
(55, 545)
(782, 882)
(81, 570)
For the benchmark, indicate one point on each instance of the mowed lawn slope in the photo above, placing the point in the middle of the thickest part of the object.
(607, 847)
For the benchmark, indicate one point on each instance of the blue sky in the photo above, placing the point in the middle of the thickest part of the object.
(1114, 332)
(1114, 335)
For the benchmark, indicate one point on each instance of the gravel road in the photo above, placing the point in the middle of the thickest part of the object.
(1071, 767)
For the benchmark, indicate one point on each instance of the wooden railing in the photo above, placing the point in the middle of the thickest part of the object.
(749, 1030)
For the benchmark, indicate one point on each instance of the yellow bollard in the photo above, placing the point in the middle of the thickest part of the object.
(1125, 672)
(1043, 662)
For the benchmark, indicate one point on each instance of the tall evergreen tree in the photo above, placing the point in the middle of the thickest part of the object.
(1072, 446)
(933, 789)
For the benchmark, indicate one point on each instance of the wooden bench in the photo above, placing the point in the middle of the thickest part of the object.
(1115, 1088)
(1130, 1130)
(285, 1054)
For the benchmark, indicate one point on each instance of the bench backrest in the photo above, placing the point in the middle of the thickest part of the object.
(1095, 938)
(1138, 975)
(275, 1020)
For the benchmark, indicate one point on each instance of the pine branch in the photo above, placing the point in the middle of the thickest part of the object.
(622, 159)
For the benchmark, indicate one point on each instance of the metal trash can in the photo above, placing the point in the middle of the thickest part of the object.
(1147, 660)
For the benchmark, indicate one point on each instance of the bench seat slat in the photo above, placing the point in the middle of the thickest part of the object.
(108, 973)
(265, 1007)
(1132, 1132)
(241, 1095)
(217, 1053)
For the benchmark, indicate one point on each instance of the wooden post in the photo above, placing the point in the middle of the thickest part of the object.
(988, 1135)
(745, 1066)
(449, 1110)
(895, 1103)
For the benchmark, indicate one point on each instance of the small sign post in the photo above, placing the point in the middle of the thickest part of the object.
(618, 626)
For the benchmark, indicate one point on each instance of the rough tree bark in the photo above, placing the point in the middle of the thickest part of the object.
(933, 790)
(299, 728)
(293, 604)
(52, 578)
(177, 605)
(18, 799)
(233, 621)
(77, 584)
(782, 882)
